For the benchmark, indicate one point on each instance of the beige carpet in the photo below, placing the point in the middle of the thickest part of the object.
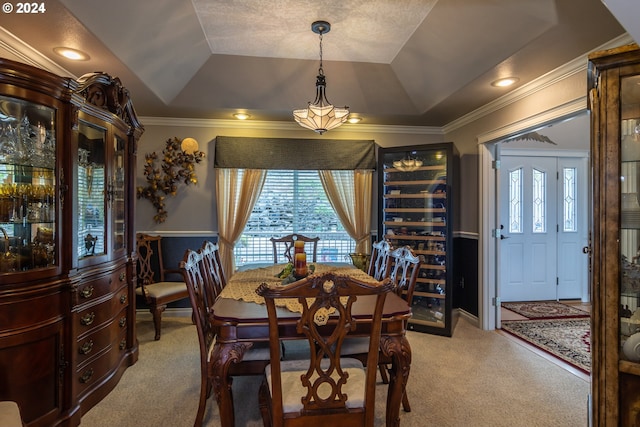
(477, 378)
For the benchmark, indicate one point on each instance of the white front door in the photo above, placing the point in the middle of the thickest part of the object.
(573, 263)
(528, 228)
(542, 216)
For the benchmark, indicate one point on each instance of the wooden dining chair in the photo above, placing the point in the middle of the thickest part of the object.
(156, 293)
(284, 246)
(379, 266)
(401, 267)
(325, 389)
(405, 266)
(202, 294)
(213, 267)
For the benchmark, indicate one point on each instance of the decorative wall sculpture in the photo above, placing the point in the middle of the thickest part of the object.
(177, 166)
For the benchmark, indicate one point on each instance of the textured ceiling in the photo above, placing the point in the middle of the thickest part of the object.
(376, 30)
(403, 62)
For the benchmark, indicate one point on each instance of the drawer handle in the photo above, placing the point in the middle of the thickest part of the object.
(123, 321)
(87, 292)
(123, 299)
(123, 344)
(87, 319)
(122, 276)
(86, 347)
(86, 376)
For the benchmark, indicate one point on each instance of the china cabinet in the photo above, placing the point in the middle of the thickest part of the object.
(67, 254)
(614, 95)
(416, 187)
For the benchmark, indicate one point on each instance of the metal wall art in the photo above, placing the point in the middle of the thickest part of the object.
(176, 166)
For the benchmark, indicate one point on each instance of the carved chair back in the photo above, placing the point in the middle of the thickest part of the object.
(405, 266)
(380, 261)
(325, 389)
(283, 246)
(213, 267)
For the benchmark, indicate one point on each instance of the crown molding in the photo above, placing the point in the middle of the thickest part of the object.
(27, 54)
(285, 126)
(561, 112)
(578, 65)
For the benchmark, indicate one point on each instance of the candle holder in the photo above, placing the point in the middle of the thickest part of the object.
(300, 264)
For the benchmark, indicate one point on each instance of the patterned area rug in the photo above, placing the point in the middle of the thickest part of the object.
(544, 310)
(566, 339)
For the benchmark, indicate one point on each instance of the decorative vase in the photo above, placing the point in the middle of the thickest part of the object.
(631, 347)
(360, 260)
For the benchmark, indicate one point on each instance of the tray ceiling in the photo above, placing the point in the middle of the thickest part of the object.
(409, 62)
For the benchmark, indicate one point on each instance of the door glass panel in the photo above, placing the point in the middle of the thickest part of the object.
(515, 201)
(91, 190)
(118, 194)
(630, 216)
(569, 199)
(539, 201)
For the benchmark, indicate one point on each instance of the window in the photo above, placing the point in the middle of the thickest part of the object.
(515, 201)
(293, 201)
(539, 201)
(569, 199)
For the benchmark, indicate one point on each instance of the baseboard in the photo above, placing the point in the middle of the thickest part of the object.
(468, 316)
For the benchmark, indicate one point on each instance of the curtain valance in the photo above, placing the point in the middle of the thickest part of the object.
(294, 154)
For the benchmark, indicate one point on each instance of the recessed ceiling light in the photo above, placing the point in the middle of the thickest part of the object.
(241, 116)
(72, 54)
(354, 119)
(507, 81)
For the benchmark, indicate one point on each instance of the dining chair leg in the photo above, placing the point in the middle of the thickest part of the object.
(157, 319)
(405, 402)
(202, 404)
(383, 374)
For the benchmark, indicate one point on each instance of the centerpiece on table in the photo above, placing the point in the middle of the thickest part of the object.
(299, 268)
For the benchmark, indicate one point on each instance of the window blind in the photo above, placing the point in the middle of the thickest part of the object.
(293, 202)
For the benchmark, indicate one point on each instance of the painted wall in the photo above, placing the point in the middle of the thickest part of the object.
(193, 209)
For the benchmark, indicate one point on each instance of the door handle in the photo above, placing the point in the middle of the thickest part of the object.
(502, 237)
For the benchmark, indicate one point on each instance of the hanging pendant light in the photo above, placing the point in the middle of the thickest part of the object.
(320, 116)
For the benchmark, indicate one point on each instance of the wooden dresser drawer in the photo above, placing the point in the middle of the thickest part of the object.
(96, 315)
(92, 373)
(100, 338)
(30, 308)
(96, 288)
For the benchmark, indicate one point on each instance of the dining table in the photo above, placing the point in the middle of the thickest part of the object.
(240, 319)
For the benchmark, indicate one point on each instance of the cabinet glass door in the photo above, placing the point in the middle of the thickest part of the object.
(27, 185)
(630, 219)
(91, 189)
(118, 194)
(416, 211)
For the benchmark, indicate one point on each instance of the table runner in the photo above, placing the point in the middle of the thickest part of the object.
(243, 284)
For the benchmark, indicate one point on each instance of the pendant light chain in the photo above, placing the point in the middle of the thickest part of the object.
(321, 70)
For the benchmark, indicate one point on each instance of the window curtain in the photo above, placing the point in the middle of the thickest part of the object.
(349, 192)
(235, 201)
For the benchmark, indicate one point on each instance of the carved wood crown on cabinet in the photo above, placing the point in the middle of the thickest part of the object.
(67, 248)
